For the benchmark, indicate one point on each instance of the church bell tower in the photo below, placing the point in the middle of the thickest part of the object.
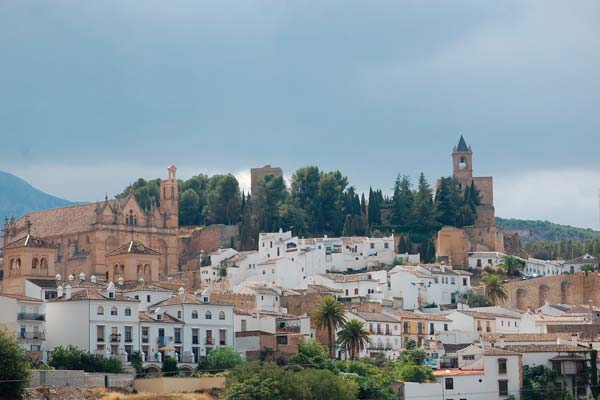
(462, 161)
(169, 198)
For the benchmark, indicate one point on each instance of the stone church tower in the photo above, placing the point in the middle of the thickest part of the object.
(169, 199)
(462, 166)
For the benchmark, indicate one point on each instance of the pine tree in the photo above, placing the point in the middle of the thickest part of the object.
(423, 216)
(402, 201)
(374, 211)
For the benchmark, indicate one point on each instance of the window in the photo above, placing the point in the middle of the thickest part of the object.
(208, 315)
(113, 311)
(179, 314)
(100, 333)
(406, 326)
(145, 334)
(420, 328)
(222, 337)
(468, 357)
(386, 245)
(449, 383)
(446, 327)
(244, 325)
(283, 340)
(221, 314)
(356, 291)
(503, 388)
(195, 336)
(177, 335)
(502, 365)
(128, 336)
(194, 314)
(128, 312)
(148, 298)
(100, 310)
(431, 329)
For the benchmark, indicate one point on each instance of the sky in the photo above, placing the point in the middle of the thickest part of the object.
(95, 94)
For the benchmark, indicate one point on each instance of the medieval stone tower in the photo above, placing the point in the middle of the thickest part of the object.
(169, 198)
(462, 162)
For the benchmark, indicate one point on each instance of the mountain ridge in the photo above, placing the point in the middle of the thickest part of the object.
(543, 230)
(18, 197)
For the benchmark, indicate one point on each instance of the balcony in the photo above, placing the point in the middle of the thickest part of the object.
(33, 335)
(128, 339)
(162, 340)
(145, 338)
(195, 340)
(115, 338)
(209, 340)
(31, 317)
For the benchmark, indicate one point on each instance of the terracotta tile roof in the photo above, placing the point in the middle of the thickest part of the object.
(187, 298)
(94, 294)
(495, 351)
(458, 372)
(485, 315)
(435, 317)
(409, 314)
(524, 337)
(376, 317)
(560, 318)
(585, 331)
(453, 348)
(60, 221)
(30, 241)
(322, 289)
(134, 247)
(21, 297)
(546, 348)
(342, 278)
(146, 316)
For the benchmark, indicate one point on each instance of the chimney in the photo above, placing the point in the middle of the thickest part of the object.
(501, 342)
(574, 339)
(59, 290)
(181, 291)
(68, 290)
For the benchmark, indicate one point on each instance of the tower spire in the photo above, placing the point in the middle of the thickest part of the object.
(462, 145)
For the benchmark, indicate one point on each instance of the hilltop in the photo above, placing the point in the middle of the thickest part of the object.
(18, 197)
(530, 230)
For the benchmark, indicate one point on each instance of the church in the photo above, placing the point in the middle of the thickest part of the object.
(108, 239)
(453, 244)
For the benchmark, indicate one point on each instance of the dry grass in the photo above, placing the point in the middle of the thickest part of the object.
(75, 393)
(156, 396)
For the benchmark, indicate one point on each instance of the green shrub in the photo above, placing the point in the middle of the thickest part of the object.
(169, 366)
(223, 358)
(14, 370)
(71, 357)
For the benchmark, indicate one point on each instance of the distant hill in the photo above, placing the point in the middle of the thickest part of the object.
(18, 197)
(544, 230)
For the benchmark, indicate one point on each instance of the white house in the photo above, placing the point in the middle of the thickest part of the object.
(100, 321)
(26, 317)
(486, 373)
(386, 336)
(480, 259)
(207, 324)
(537, 267)
(353, 286)
(574, 265)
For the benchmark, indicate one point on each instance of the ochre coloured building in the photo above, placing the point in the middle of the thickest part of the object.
(85, 237)
(453, 244)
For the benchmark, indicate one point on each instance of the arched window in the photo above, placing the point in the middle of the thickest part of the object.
(194, 314)
(208, 315)
(221, 314)
(100, 310)
(18, 263)
(44, 264)
(113, 311)
(35, 263)
(128, 312)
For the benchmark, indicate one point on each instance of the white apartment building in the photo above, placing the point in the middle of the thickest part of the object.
(98, 321)
(485, 373)
(26, 317)
(207, 324)
(537, 267)
(386, 336)
(353, 286)
(420, 285)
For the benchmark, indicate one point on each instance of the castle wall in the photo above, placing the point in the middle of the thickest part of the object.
(558, 289)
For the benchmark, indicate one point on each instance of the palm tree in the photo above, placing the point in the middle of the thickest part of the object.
(353, 337)
(494, 288)
(330, 316)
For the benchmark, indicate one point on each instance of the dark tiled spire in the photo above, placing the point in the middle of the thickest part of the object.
(462, 145)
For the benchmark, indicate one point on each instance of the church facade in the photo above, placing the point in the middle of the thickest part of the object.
(85, 236)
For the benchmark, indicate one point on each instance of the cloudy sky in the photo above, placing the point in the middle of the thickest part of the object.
(94, 94)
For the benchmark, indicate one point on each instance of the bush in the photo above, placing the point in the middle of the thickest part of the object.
(268, 382)
(13, 366)
(222, 358)
(136, 362)
(169, 366)
(311, 354)
(71, 357)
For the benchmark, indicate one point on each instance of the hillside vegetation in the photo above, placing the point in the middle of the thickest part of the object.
(530, 230)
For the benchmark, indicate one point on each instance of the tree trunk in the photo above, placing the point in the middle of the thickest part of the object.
(330, 338)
